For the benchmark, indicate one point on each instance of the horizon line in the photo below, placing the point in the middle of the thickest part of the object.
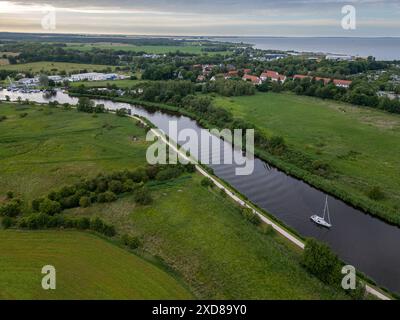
(186, 36)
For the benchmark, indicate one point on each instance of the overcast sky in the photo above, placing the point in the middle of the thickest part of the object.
(203, 17)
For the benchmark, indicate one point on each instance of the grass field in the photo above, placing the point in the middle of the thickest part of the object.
(150, 49)
(87, 267)
(54, 67)
(361, 144)
(101, 84)
(199, 233)
(51, 146)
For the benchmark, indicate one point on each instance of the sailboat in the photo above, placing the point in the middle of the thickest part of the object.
(324, 221)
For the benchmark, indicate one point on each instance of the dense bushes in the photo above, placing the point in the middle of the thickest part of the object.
(250, 216)
(37, 221)
(106, 197)
(229, 88)
(102, 189)
(142, 196)
(49, 207)
(169, 173)
(122, 112)
(206, 182)
(11, 208)
(131, 242)
(320, 261)
(87, 105)
(166, 91)
(7, 222)
(85, 202)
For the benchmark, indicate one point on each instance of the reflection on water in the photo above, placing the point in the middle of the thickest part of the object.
(369, 244)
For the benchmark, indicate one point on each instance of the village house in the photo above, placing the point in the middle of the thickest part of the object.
(246, 71)
(342, 83)
(207, 69)
(218, 76)
(56, 79)
(273, 76)
(253, 79)
(201, 78)
(232, 74)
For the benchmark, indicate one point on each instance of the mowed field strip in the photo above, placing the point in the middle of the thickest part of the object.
(87, 267)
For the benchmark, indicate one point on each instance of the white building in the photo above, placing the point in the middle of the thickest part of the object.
(338, 57)
(93, 76)
(56, 79)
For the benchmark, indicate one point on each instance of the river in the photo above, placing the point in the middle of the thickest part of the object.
(367, 243)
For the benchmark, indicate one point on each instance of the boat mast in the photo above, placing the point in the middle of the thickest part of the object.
(326, 210)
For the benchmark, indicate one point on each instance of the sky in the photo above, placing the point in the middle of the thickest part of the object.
(202, 17)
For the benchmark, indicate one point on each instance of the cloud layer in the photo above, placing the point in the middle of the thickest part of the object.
(205, 17)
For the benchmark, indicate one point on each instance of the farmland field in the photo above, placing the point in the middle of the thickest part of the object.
(196, 231)
(360, 144)
(54, 67)
(87, 267)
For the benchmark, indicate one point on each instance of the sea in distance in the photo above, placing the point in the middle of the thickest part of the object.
(380, 48)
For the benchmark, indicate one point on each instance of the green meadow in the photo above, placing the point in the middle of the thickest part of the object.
(362, 145)
(50, 147)
(87, 267)
(103, 84)
(54, 67)
(197, 232)
(150, 49)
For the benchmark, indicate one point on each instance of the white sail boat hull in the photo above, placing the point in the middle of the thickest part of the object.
(321, 221)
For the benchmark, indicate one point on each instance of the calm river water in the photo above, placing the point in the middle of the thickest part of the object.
(369, 244)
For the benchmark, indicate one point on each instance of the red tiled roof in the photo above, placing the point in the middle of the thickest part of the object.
(342, 82)
(272, 75)
(300, 76)
(253, 79)
(325, 80)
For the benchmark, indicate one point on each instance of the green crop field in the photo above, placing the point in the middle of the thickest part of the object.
(87, 267)
(362, 145)
(54, 67)
(197, 232)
